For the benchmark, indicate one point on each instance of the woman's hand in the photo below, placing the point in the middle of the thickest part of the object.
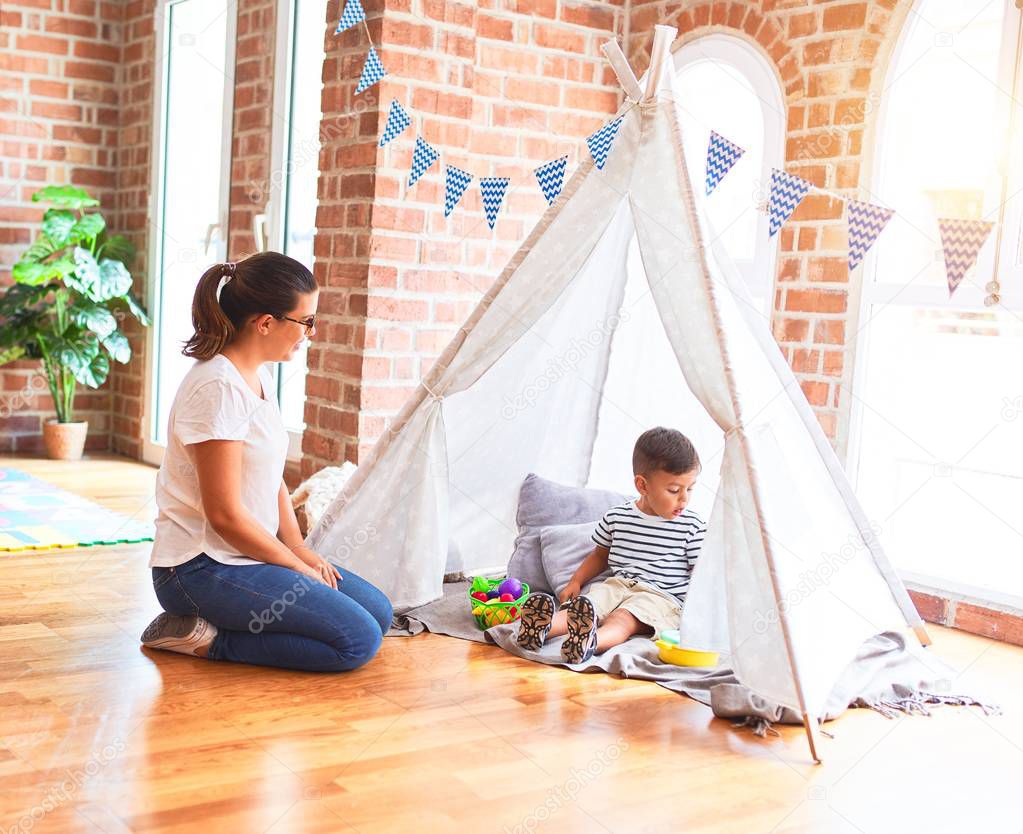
(319, 568)
(572, 590)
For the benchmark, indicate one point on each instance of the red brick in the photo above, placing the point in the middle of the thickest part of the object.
(42, 43)
(816, 392)
(988, 622)
(816, 301)
(847, 16)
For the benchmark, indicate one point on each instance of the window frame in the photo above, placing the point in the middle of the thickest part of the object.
(968, 297)
(756, 68)
(153, 452)
(275, 211)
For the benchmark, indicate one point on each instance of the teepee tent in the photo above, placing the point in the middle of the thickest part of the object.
(615, 315)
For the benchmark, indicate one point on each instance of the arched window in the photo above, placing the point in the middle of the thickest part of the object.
(937, 440)
(728, 86)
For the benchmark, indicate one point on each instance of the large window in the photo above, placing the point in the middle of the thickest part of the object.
(726, 85)
(192, 133)
(291, 207)
(937, 442)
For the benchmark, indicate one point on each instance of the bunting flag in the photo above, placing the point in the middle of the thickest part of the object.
(721, 156)
(787, 192)
(353, 13)
(455, 182)
(422, 158)
(961, 241)
(372, 70)
(551, 176)
(600, 142)
(397, 121)
(493, 189)
(866, 222)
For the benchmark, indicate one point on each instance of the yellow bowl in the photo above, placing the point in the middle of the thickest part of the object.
(670, 653)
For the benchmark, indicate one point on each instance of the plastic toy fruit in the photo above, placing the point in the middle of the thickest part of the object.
(512, 586)
(480, 595)
(507, 598)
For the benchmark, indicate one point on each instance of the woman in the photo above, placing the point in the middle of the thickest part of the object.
(229, 565)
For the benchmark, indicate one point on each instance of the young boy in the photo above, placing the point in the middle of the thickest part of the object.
(649, 544)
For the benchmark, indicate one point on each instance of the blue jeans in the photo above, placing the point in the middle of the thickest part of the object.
(272, 616)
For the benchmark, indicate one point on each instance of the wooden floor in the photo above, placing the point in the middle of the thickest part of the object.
(436, 734)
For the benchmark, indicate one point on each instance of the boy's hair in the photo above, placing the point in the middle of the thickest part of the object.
(664, 449)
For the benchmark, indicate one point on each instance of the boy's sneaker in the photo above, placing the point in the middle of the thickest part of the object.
(175, 633)
(581, 642)
(535, 621)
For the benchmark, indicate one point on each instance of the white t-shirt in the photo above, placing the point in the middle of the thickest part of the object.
(215, 403)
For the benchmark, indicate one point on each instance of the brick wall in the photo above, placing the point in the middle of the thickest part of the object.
(826, 57)
(134, 157)
(497, 89)
(59, 100)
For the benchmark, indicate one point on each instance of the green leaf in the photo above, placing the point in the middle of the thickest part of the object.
(118, 348)
(65, 196)
(88, 227)
(34, 274)
(94, 317)
(114, 280)
(117, 247)
(40, 250)
(136, 308)
(57, 225)
(80, 354)
(86, 275)
(11, 354)
(18, 297)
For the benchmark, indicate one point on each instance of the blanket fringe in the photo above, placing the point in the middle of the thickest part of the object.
(760, 726)
(916, 701)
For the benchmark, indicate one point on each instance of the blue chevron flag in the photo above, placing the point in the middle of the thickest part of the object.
(493, 189)
(455, 182)
(372, 71)
(787, 192)
(353, 13)
(866, 222)
(721, 156)
(601, 141)
(961, 241)
(423, 157)
(551, 176)
(397, 121)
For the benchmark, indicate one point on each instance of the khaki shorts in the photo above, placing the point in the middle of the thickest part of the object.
(646, 604)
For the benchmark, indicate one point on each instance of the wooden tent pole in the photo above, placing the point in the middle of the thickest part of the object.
(662, 39)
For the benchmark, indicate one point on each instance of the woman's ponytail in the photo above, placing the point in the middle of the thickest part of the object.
(229, 294)
(213, 328)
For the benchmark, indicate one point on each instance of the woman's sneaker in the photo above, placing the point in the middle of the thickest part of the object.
(581, 642)
(535, 621)
(174, 633)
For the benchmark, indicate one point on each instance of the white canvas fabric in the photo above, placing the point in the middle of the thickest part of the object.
(618, 314)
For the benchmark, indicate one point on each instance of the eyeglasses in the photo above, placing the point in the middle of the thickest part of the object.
(309, 324)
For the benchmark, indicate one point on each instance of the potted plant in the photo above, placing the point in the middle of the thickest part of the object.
(71, 292)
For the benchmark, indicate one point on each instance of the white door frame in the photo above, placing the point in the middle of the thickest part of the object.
(151, 451)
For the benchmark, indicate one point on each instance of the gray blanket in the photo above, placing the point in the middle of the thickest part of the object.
(888, 675)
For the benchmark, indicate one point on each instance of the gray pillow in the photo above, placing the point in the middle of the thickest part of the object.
(544, 503)
(525, 563)
(562, 549)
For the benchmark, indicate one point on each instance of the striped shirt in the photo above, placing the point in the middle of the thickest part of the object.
(658, 551)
